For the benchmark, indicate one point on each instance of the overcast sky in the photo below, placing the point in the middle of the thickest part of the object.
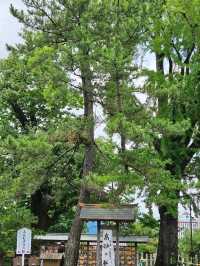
(9, 26)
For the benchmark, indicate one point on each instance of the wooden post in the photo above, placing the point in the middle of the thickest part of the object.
(117, 258)
(98, 243)
(136, 255)
(88, 250)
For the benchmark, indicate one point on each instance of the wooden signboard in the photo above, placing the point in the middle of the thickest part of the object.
(23, 243)
(108, 257)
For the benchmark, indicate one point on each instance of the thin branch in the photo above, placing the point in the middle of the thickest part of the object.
(75, 147)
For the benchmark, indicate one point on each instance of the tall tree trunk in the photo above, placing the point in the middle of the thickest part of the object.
(40, 205)
(73, 244)
(167, 253)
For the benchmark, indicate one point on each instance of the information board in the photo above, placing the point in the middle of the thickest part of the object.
(23, 241)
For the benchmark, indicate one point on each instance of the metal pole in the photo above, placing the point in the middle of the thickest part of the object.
(191, 233)
(117, 244)
(22, 259)
(98, 243)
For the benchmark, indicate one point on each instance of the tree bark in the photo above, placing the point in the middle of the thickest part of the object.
(167, 253)
(73, 244)
(40, 205)
(19, 114)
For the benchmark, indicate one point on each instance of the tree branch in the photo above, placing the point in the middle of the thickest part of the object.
(19, 114)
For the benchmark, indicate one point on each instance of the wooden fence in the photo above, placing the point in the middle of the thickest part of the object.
(187, 261)
(88, 258)
(87, 255)
(146, 259)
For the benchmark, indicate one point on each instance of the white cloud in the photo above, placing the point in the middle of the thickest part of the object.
(9, 26)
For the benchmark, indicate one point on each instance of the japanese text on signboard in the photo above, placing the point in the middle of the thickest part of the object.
(108, 249)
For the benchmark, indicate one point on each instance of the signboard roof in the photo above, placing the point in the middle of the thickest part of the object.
(91, 238)
(110, 213)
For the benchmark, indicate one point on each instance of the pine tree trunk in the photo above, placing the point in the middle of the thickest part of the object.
(73, 244)
(40, 204)
(167, 253)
